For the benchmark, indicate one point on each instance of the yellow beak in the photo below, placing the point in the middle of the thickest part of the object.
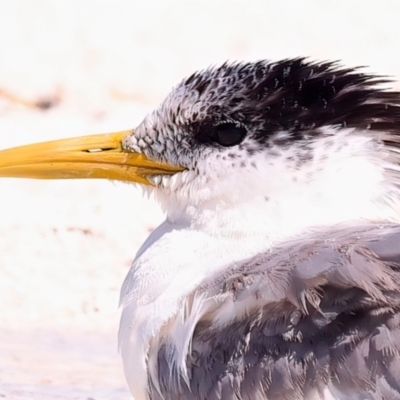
(96, 156)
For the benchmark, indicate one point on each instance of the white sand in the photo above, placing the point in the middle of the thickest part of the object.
(66, 246)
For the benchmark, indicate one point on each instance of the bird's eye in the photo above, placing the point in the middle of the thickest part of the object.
(229, 134)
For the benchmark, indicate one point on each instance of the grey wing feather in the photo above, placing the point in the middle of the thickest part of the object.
(322, 311)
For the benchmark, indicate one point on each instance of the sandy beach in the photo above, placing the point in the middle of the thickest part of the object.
(66, 246)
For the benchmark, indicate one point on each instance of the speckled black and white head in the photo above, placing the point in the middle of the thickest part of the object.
(272, 128)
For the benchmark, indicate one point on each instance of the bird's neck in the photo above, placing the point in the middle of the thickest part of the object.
(347, 177)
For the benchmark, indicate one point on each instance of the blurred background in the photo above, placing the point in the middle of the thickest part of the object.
(70, 68)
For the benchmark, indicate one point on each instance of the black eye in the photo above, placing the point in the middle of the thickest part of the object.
(229, 134)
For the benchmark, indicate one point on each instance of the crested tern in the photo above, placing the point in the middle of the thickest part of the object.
(276, 272)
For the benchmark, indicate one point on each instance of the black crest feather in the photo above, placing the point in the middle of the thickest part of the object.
(294, 95)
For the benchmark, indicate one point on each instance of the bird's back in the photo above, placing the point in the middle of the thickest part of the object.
(320, 313)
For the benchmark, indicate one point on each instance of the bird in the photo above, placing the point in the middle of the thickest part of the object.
(276, 272)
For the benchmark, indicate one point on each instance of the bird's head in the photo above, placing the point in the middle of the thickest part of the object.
(242, 131)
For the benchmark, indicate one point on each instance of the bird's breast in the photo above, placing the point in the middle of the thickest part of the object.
(169, 266)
